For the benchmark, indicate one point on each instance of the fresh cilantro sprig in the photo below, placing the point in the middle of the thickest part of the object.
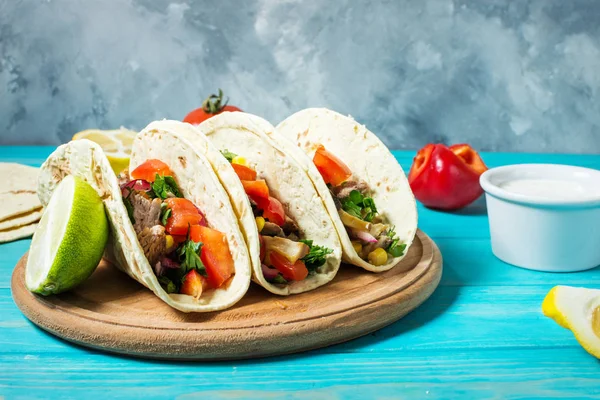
(360, 206)
(189, 256)
(165, 213)
(396, 249)
(279, 279)
(317, 255)
(168, 284)
(228, 155)
(163, 185)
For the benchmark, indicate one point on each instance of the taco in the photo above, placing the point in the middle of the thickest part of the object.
(292, 241)
(172, 226)
(361, 183)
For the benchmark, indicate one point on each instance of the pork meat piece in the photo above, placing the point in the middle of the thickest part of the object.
(154, 243)
(146, 211)
(342, 191)
(290, 226)
(271, 229)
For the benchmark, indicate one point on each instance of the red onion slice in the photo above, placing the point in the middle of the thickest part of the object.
(364, 236)
(269, 273)
(169, 263)
(137, 184)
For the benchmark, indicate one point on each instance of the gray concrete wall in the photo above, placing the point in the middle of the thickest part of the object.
(504, 75)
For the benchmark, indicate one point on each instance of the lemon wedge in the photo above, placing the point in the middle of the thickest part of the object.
(116, 144)
(576, 309)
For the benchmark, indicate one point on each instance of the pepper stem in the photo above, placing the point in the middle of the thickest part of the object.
(212, 104)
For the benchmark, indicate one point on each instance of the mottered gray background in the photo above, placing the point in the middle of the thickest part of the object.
(504, 75)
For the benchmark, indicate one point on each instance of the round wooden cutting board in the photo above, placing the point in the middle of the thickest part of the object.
(112, 312)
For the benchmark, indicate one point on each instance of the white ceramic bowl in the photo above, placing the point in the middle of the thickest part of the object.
(544, 217)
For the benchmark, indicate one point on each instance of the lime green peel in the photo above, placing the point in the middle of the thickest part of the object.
(69, 241)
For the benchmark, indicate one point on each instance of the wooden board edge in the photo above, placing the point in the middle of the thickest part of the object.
(300, 336)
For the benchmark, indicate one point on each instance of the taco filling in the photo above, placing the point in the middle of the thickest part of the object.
(187, 256)
(372, 238)
(285, 255)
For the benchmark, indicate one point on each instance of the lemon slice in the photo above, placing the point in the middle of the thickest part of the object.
(69, 240)
(576, 309)
(116, 144)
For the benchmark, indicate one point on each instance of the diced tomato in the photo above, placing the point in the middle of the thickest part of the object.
(183, 214)
(215, 254)
(193, 283)
(332, 169)
(291, 271)
(257, 190)
(148, 170)
(179, 223)
(245, 173)
(262, 248)
(179, 204)
(272, 210)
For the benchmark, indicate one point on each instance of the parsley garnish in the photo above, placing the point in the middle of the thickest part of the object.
(168, 284)
(316, 256)
(396, 249)
(188, 254)
(129, 206)
(163, 185)
(279, 279)
(228, 155)
(165, 213)
(359, 206)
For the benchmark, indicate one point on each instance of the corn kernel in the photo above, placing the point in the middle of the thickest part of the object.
(260, 223)
(357, 246)
(169, 242)
(239, 160)
(378, 257)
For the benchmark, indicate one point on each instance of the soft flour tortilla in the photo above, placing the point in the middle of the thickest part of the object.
(168, 141)
(18, 190)
(21, 220)
(368, 159)
(17, 233)
(86, 160)
(252, 138)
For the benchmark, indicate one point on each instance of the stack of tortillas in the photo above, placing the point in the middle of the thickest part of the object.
(20, 208)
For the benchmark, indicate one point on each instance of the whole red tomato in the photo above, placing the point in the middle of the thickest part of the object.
(213, 105)
(446, 178)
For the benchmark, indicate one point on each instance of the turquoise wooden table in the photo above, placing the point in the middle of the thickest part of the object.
(480, 335)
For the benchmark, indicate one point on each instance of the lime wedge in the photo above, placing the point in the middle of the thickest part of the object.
(116, 144)
(69, 241)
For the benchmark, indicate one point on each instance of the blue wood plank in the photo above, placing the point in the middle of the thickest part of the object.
(30, 155)
(502, 374)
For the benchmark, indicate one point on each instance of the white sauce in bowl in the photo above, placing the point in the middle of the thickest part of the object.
(549, 189)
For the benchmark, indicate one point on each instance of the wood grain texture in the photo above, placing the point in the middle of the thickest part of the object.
(111, 312)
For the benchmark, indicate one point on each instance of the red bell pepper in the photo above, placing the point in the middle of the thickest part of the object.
(215, 254)
(148, 170)
(446, 178)
(257, 190)
(291, 271)
(272, 210)
(332, 169)
(244, 173)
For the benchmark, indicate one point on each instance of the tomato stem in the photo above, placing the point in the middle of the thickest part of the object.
(213, 104)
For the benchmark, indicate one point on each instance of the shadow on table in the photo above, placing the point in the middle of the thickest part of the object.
(478, 207)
